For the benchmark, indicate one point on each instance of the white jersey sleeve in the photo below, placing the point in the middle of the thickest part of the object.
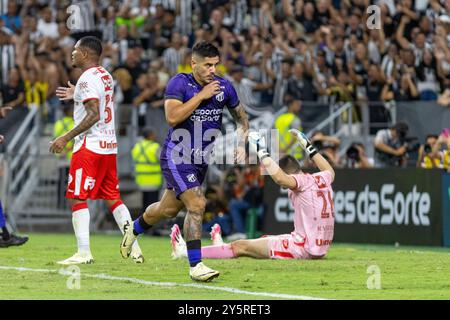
(96, 84)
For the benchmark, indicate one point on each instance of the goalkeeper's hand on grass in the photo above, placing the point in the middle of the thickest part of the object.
(257, 144)
(305, 143)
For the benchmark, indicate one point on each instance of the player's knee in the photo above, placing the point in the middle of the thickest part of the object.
(196, 205)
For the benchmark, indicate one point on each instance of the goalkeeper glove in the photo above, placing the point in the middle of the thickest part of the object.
(257, 144)
(305, 143)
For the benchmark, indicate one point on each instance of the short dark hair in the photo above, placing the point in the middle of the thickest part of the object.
(92, 43)
(289, 164)
(147, 132)
(205, 49)
(288, 99)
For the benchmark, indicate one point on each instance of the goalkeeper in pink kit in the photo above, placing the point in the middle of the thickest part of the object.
(312, 199)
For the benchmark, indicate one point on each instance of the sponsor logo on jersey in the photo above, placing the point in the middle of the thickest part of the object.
(191, 177)
(323, 242)
(107, 145)
(202, 115)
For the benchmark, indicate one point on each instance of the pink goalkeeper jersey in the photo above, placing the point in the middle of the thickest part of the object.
(314, 210)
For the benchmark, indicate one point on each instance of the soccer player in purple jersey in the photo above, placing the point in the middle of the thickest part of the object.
(193, 104)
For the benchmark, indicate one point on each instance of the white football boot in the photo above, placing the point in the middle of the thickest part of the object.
(136, 255)
(216, 235)
(78, 258)
(202, 273)
(179, 249)
(128, 239)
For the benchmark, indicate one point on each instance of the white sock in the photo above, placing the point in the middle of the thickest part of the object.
(80, 221)
(121, 215)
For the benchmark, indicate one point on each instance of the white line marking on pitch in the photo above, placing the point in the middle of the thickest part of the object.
(167, 284)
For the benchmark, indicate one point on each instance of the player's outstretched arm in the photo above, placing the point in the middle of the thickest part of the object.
(305, 143)
(92, 116)
(177, 111)
(257, 144)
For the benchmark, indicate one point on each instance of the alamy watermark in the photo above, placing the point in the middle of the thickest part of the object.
(374, 280)
(74, 277)
(210, 146)
(373, 17)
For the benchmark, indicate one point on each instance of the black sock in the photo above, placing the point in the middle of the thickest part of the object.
(5, 234)
(194, 251)
(140, 226)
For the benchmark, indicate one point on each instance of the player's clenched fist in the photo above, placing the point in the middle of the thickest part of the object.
(2, 138)
(210, 90)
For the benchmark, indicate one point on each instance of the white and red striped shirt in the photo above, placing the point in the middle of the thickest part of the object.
(96, 84)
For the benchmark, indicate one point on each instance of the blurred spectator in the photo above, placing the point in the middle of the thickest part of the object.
(147, 170)
(356, 158)
(300, 85)
(427, 158)
(185, 65)
(427, 84)
(173, 56)
(443, 141)
(281, 84)
(12, 92)
(7, 53)
(245, 87)
(46, 24)
(285, 122)
(12, 20)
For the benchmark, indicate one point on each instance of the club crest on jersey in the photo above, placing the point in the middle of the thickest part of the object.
(191, 177)
(220, 96)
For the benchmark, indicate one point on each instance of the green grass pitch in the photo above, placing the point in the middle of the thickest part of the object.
(405, 273)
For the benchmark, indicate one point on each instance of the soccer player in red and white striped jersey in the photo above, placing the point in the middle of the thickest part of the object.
(93, 169)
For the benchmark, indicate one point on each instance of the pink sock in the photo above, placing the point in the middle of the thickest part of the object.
(222, 251)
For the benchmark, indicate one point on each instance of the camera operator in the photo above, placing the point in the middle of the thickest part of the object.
(443, 140)
(392, 146)
(355, 157)
(427, 158)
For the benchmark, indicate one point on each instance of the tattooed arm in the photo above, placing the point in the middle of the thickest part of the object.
(240, 117)
(92, 116)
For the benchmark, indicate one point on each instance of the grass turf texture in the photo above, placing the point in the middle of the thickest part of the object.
(406, 272)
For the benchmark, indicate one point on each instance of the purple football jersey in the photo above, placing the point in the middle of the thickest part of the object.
(195, 134)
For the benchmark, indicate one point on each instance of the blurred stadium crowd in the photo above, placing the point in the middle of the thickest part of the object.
(275, 52)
